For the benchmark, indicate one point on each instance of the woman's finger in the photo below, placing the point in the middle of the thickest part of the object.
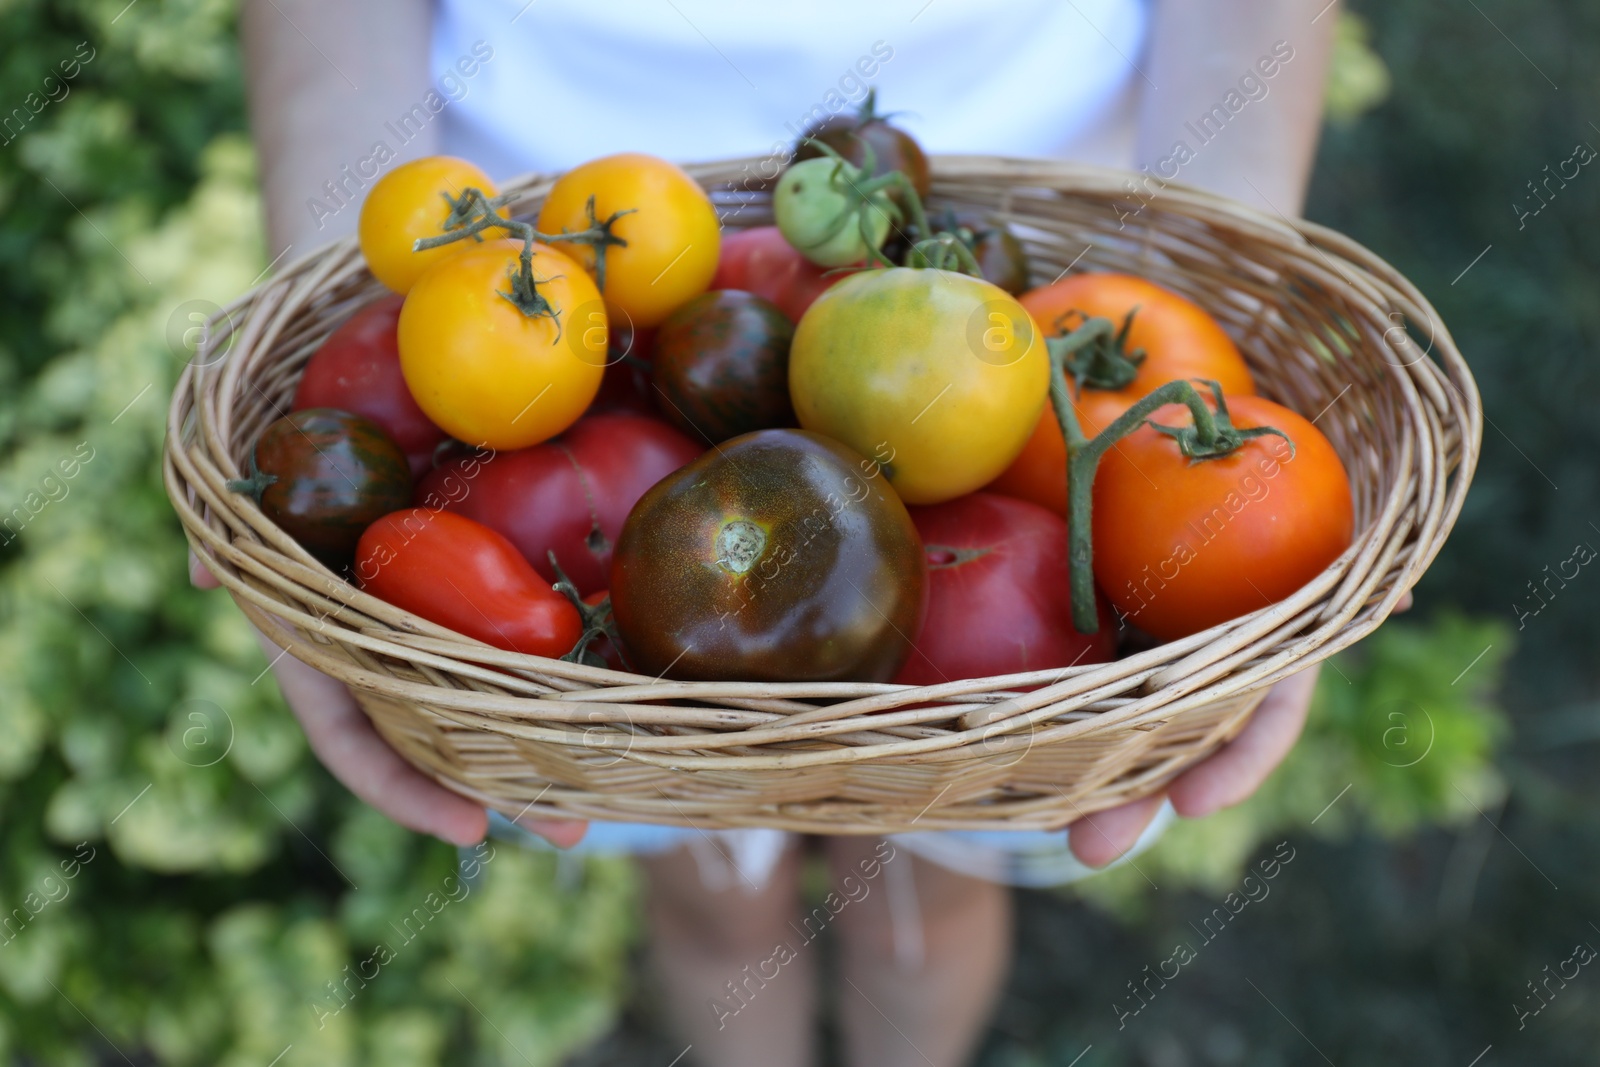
(1100, 838)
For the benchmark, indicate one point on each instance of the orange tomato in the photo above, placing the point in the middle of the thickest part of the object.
(1179, 339)
(485, 372)
(672, 233)
(1181, 545)
(408, 204)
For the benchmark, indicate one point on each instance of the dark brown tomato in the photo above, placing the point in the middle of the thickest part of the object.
(1001, 258)
(776, 557)
(722, 366)
(325, 475)
(849, 135)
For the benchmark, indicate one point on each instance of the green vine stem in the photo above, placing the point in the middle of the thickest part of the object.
(472, 212)
(1212, 436)
(255, 483)
(596, 618)
(1096, 353)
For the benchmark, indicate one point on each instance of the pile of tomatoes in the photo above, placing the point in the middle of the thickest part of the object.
(852, 446)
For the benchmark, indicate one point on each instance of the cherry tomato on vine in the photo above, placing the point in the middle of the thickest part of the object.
(938, 376)
(569, 495)
(1179, 340)
(818, 213)
(482, 369)
(780, 556)
(997, 593)
(324, 475)
(671, 231)
(851, 135)
(408, 204)
(1183, 545)
(462, 575)
(760, 261)
(357, 369)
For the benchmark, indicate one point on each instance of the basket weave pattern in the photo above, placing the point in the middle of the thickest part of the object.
(1327, 328)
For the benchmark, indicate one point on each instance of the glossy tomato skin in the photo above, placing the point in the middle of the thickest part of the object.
(1180, 341)
(406, 205)
(357, 369)
(672, 233)
(485, 372)
(334, 473)
(722, 366)
(937, 375)
(998, 600)
(1180, 546)
(760, 261)
(462, 575)
(777, 557)
(569, 495)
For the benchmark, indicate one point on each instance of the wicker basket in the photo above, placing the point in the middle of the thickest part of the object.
(1327, 327)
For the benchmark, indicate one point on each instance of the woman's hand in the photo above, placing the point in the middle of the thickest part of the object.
(345, 741)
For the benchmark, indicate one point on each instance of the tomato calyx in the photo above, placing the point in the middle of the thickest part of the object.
(1212, 436)
(255, 481)
(863, 196)
(1096, 352)
(596, 618)
(472, 212)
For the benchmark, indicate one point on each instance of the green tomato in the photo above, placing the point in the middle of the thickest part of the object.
(820, 214)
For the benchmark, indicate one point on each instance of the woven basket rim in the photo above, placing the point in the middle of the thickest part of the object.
(360, 639)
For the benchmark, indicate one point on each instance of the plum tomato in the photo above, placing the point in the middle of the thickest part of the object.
(760, 261)
(325, 475)
(851, 135)
(1179, 341)
(408, 204)
(357, 369)
(485, 371)
(938, 376)
(998, 599)
(779, 556)
(671, 232)
(819, 214)
(1181, 545)
(462, 575)
(722, 366)
(569, 495)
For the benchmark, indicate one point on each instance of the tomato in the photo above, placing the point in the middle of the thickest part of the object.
(850, 135)
(722, 366)
(672, 232)
(1180, 342)
(938, 376)
(1000, 255)
(1182, 545)
(779, 556)
(357, 369)
(819, 212)
(324, 475)
(997, 593)
(462, 575)
(569, 495)
(408, 204)
(760, 261)
(486, 372)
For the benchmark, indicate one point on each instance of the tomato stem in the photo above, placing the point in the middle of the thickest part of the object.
(472, 212)
(596, 618)
(1096, 353)
(1212, 436)
(255, 483)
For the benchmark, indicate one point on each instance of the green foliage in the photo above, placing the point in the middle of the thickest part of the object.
(213, 907)
(1402, 734)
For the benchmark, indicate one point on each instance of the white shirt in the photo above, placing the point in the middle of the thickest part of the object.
(690, 80)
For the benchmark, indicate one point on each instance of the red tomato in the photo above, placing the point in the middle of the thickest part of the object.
(998, 598)
(569, 495)
(760, 261)
(357, 369)
(1182, 545)
(464, 576)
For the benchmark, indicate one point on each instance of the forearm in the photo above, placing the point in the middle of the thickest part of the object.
(323, 78)
(1258, 144)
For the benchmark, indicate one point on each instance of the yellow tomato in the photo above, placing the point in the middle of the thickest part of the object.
(672, 233)
(936, 377)
(484, 371)
(408, 204)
